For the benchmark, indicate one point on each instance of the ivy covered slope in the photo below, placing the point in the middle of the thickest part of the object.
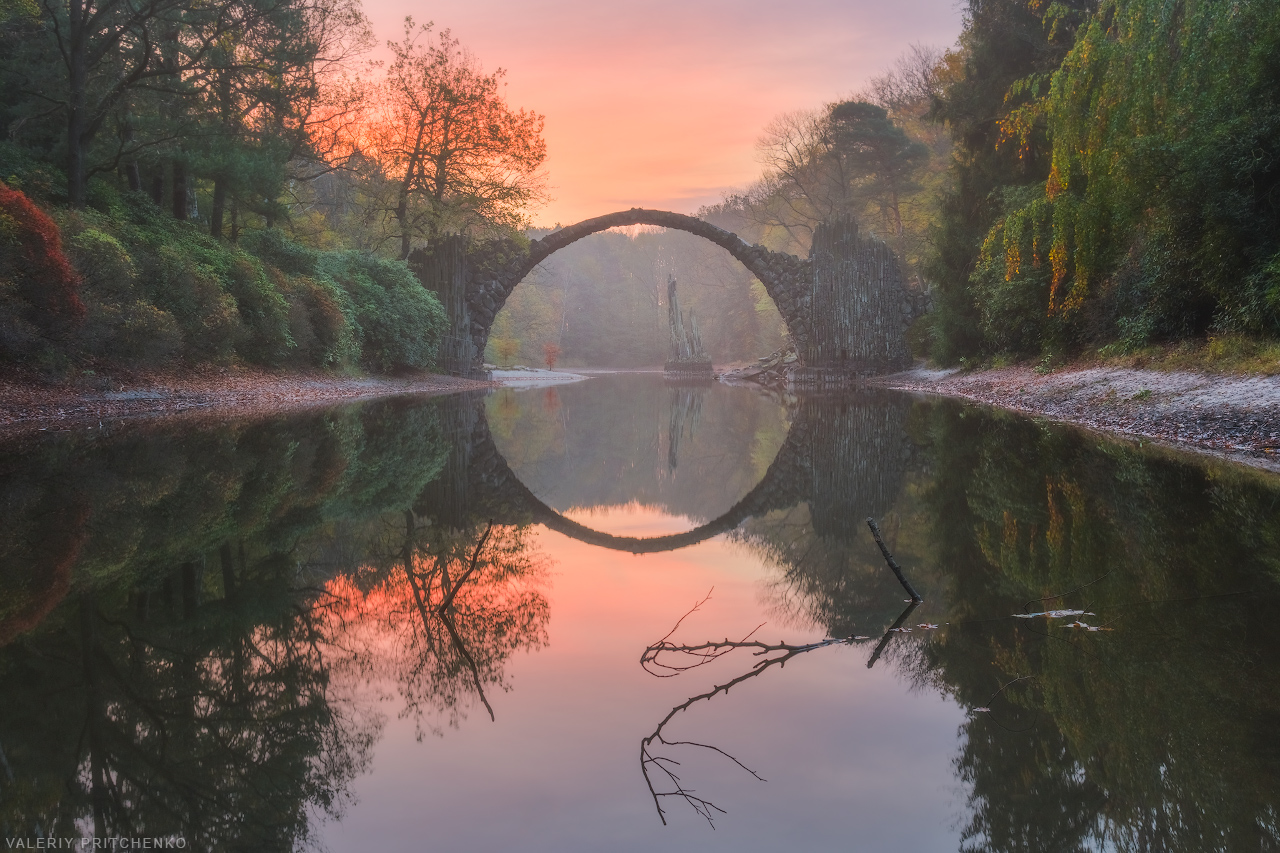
(1117, 179)
(123, 284)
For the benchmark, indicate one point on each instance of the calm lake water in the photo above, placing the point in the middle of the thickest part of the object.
(500, 622)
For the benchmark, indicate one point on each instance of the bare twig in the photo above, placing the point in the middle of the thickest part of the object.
(704, 653)
(700, 654)
(466, 656)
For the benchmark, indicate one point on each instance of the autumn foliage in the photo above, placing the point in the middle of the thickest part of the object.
(33, 267)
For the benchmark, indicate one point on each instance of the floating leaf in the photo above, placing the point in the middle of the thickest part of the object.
(1054, 614)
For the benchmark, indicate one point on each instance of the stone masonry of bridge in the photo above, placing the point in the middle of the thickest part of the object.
(845, 306)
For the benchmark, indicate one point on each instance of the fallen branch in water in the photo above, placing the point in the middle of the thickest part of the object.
(890, 631)
(893, 564)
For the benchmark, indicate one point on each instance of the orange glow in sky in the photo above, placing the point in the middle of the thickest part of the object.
(658, 104)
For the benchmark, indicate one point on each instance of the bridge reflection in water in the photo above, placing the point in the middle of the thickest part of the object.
(845, 456)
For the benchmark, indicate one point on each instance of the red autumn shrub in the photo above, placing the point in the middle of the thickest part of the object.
(31, 257)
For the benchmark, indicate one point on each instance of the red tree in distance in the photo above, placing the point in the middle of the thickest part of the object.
(550, 353)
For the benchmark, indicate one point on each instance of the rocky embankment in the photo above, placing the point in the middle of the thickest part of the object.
(27, 404)
(1232, 416)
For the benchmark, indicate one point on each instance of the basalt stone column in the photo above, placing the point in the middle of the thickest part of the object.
(443, 268)
(494, 268)
(857, 319)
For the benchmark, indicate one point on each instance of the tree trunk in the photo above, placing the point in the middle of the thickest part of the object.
(76, 97)
(131, 173)
(402, 217)
(179, 190)
(228, 571)
(157, 188)
(219, 205)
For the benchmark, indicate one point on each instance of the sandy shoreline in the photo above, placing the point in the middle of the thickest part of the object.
(1234, 417)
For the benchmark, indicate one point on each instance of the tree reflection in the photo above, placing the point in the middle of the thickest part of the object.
(1156, 734)
(151, 712)
(225, 596)
(446, 610)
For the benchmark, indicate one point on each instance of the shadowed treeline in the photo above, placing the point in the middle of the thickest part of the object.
(1154, 734)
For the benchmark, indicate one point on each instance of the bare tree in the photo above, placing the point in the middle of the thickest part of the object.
(909, 87)
(801, 185)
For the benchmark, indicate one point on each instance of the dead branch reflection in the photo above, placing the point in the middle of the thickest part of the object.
(667, 659)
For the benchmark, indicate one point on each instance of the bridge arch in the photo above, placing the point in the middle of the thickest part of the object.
(846, 457)
(475, 280)
(786, 482)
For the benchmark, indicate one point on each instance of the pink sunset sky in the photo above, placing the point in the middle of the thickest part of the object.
(659, 103)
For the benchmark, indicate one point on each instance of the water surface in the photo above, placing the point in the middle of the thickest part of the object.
(419, 624)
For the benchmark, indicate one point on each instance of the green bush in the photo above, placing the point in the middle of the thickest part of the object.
(121, 326)
(158, 291)
(318, 322)
(191, 292)
(277, 250)
(263, 310)
(400, 323)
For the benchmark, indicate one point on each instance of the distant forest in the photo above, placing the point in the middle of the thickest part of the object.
(231, 182)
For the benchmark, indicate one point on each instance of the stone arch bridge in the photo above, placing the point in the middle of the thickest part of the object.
(845, 306)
